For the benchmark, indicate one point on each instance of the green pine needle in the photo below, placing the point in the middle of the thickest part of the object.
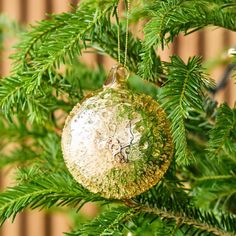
(110, 222)
(56, 189)
(48, 79)
(223, 135)
(181, 94)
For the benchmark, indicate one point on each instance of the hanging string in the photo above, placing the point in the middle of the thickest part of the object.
(126, 34)
(118, 32)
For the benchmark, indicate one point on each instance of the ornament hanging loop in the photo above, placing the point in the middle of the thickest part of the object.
(117, 77)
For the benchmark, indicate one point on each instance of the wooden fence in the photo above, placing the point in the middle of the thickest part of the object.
(209, 43)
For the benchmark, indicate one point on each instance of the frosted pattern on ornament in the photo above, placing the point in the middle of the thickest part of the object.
(117, 143)
(102, 136)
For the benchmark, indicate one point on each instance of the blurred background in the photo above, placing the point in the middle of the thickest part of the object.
(212, 44)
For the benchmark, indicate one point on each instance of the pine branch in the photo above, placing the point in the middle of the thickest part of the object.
(169, 193)
(215, 177)
(219, 195)
(147, 224)
(18, 156)
(170, 203)
(212, 176)
(151, 33)
(213, 182)
(62, 37)
(55, 189)
(29, 41)
(97, 14)
(182, 94)
(40, 54)
(37, 88)
(223, 132)
(159, 204)
(15, 97)
(188, 220)
(15, 147)
(169, 18)
(110, 222)
(15, 131)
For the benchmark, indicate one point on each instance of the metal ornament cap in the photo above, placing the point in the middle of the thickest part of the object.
(117, 143)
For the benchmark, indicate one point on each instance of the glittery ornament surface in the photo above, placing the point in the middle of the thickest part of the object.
(117, 143)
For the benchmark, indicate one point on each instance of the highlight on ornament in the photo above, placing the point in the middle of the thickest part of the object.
(116, 142)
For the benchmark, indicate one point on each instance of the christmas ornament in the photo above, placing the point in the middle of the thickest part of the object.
(117, 143)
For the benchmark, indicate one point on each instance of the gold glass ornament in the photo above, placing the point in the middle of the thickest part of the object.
(117, 143)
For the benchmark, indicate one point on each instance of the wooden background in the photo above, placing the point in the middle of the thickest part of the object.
(211, 44)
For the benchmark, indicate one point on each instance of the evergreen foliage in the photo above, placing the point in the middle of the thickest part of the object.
(182, 93)
(198, 193)
(55, 189)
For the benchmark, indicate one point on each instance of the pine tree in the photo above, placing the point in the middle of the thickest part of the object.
(197, 194)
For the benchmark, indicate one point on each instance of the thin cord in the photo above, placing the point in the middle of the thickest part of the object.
(118, 32)
(127, 32)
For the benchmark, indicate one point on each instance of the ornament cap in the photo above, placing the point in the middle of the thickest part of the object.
(117, 77)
